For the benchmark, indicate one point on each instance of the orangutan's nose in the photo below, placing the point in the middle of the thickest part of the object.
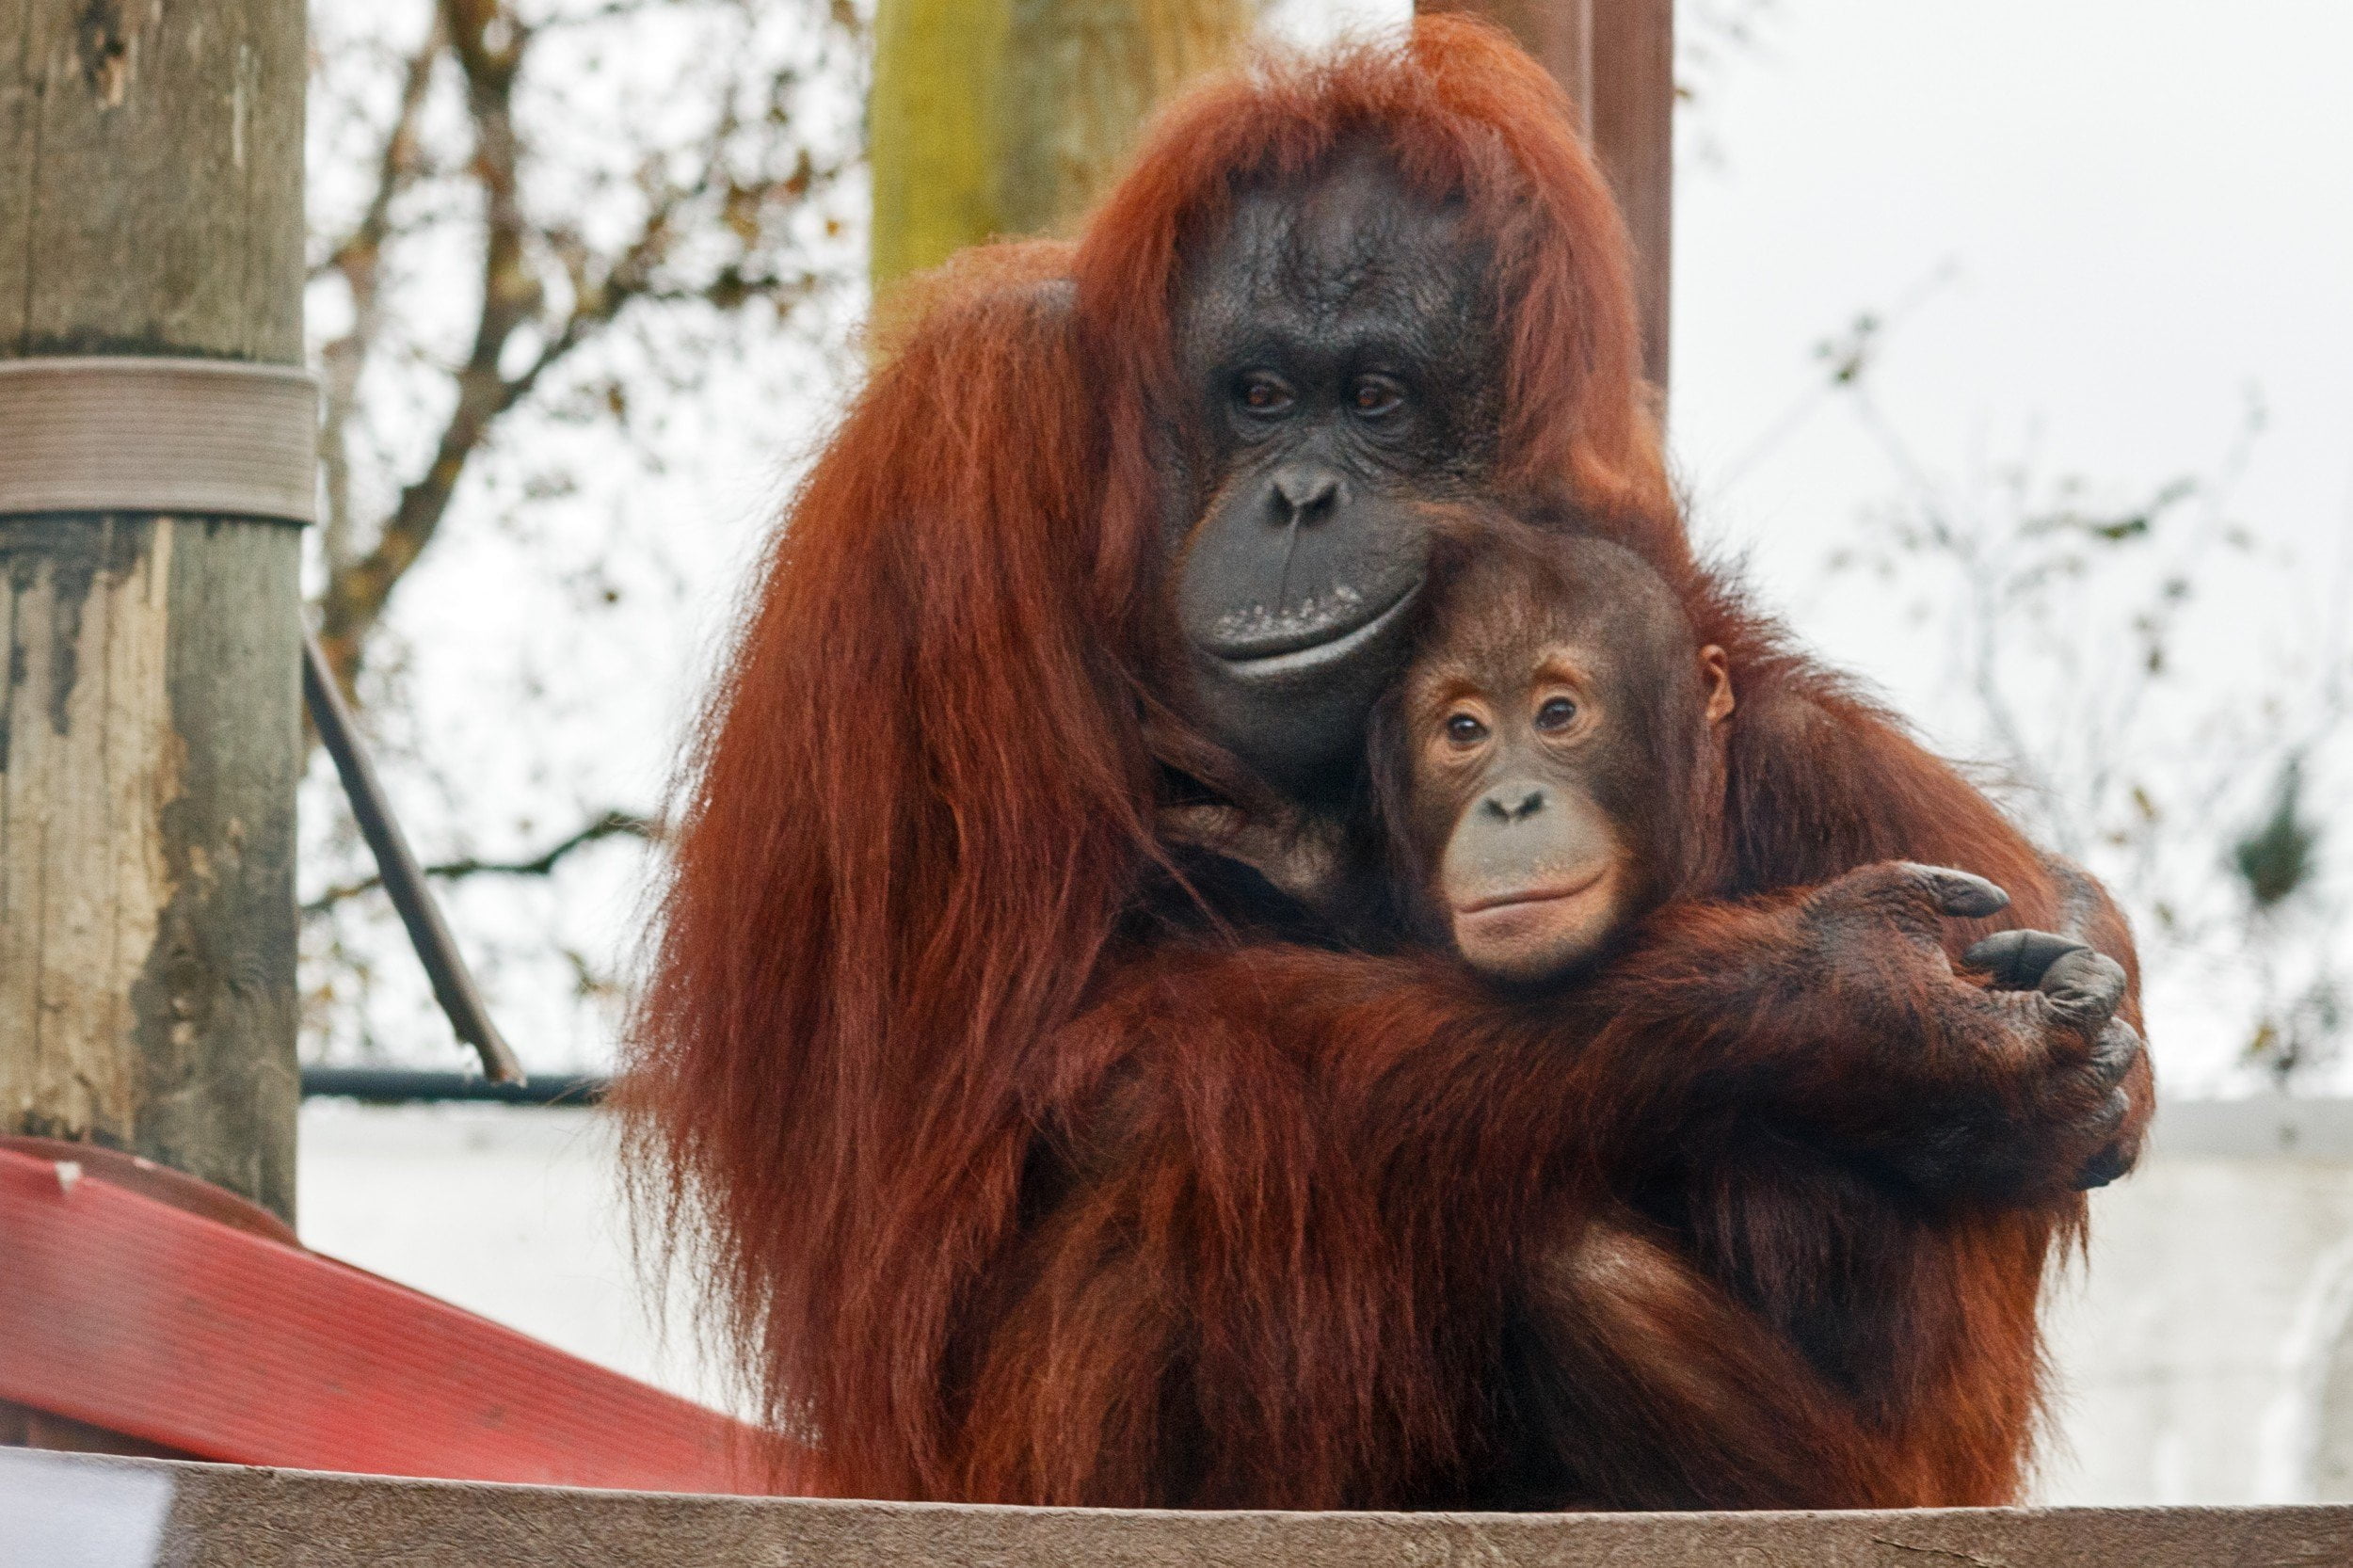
(1306, 490)
(1515, 803)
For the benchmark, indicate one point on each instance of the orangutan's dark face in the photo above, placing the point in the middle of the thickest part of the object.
(1337, 341)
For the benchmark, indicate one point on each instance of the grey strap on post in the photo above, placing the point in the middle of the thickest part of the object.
(208, 438)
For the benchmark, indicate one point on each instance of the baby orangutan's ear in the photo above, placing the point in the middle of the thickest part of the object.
(1716, 672)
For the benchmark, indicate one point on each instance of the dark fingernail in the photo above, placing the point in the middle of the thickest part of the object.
(2003, 953)
(2086, 983)
(2019, 959)
(1964, 893)
(2103, 1168)
(2119, 1046)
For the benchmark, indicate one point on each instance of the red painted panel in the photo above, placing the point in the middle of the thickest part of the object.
(144, 1319)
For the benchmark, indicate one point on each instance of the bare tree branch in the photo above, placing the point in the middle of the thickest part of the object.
(2069, 624)
(611, 825)
(546, 214)
(491, 43)
(358, 257)
(489, 46)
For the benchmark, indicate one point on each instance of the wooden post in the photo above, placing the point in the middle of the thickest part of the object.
(150, 205)
(993, 118)
(1616, 59)
(1632, 73)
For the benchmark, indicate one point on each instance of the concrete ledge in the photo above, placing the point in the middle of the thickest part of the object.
(2263, 1126)
(75, 1512)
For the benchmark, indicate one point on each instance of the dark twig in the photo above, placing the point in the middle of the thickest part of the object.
(489, 45)
(611, 825)
(445, 966)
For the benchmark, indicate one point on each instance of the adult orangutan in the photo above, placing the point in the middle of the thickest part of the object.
(1124, 531)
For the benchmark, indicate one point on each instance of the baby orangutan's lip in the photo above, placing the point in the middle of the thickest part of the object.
(1530, 895)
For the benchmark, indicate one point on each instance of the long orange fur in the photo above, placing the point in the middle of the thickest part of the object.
(1000, 1204)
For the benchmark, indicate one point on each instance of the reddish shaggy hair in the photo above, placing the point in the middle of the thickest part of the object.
(1302, 1196)
(923, 793)
(919, 802)
(922, 800)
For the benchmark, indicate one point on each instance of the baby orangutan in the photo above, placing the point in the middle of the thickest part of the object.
(1552, 766)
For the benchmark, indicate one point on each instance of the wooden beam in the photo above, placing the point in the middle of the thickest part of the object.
(1632, 73)
(1615, 58)
(221, 1516)
(148, 730)
(205, 1334)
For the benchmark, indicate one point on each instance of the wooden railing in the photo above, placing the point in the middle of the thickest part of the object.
(133, 1513)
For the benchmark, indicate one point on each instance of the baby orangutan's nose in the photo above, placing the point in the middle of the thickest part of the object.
(1514, 803)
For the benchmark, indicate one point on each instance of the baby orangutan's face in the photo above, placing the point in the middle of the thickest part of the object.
(1532, 722)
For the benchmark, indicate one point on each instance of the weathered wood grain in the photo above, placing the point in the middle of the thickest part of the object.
(150, 155)
(199, 1514)
(1632, 118)
(149, 731)
(216, 1001)
(88, 767)
(150, 203)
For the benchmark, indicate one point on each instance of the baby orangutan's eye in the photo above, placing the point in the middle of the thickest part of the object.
(1464, 731)
(1558, 712)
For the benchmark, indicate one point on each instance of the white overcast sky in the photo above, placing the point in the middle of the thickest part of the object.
(2144, 209)
(2148, 205)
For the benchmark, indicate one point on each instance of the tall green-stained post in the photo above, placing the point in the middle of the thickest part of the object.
(151, 214)
(993, 118)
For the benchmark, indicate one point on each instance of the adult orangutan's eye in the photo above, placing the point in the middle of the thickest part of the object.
(1375, 396)
(1464, 731)
(1264, 394)
(1558, 712)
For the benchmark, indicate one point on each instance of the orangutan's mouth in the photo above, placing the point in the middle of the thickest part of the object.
(1312, 646)
(1518, 896)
